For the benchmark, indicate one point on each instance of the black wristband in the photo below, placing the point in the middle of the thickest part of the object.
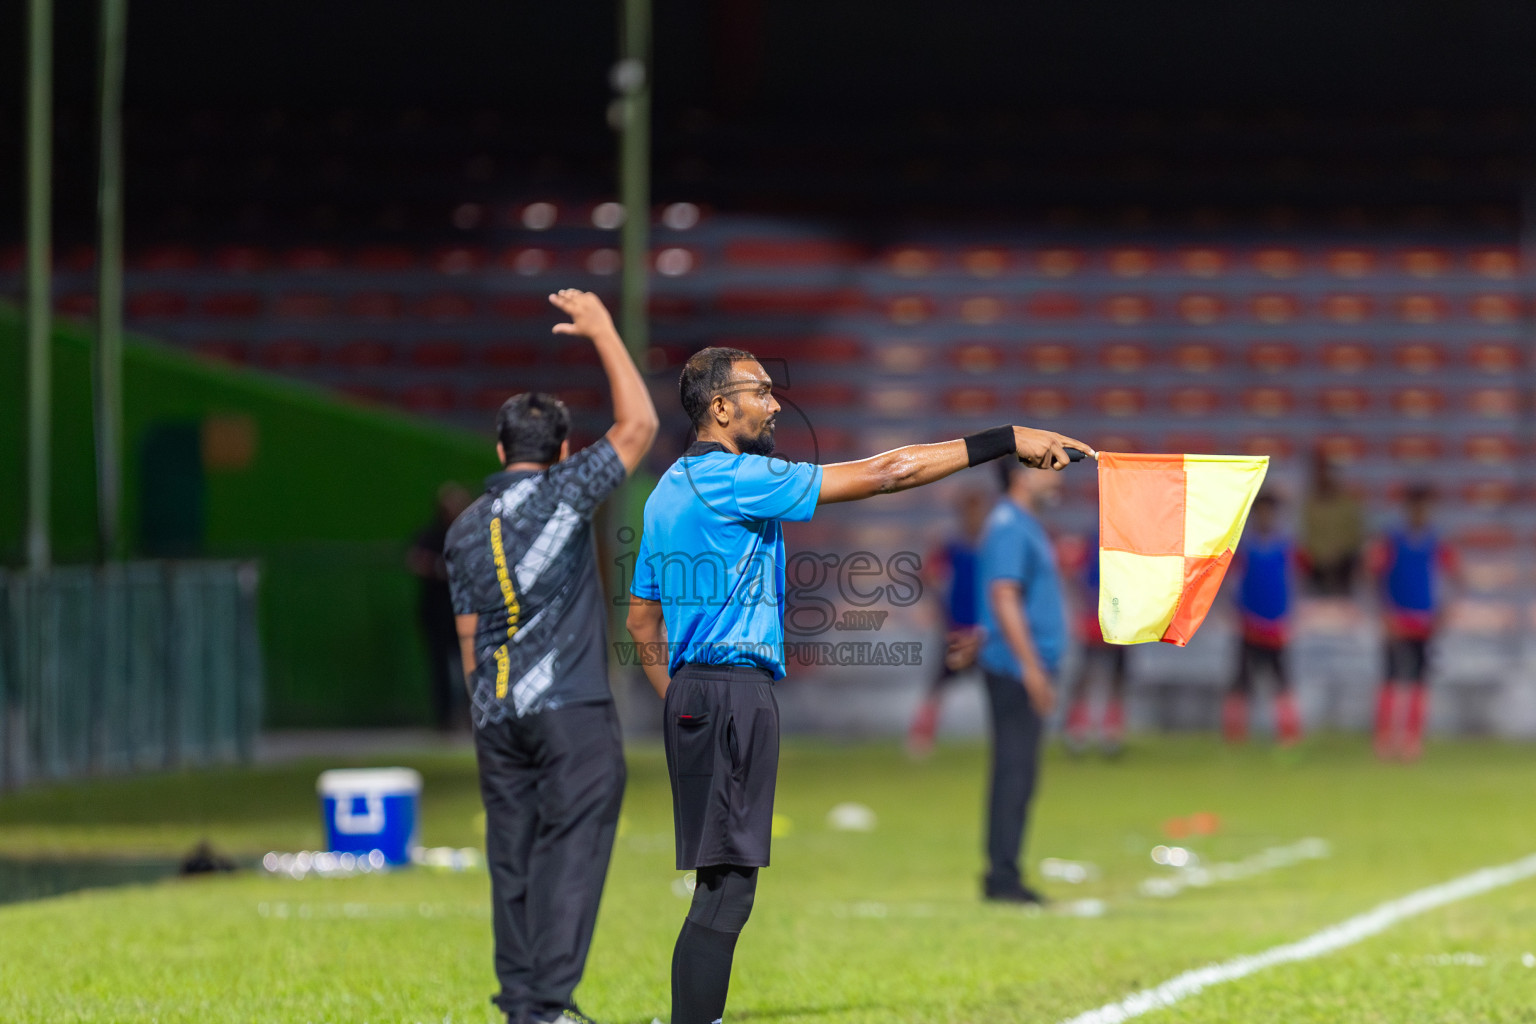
(988, 445)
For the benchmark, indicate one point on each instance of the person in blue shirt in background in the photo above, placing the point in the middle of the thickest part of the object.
(1263, 568)
(1110, 658)
(1024, 618)
(706, 613)
(957, 558)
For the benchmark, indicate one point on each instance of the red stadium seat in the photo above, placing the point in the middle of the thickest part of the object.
(303, 305)
(1128, 310)
(1124, 357)
(577, 355)
(1419, 357)
(1204, 263)
(1492, 449)
(821, 394)
(312, 258)
(1269, 402)
(1418, 403)
(231, 305)
(1422, 309)
(1501, 264)
(1046, 403)
(1050, 357)
(1495, 309)
(528, 261)
(898, 402)
(166, 257)
(987, 262)
(1184, 442)
(1271, 308)
(455, 260)
(241, 259)
(586, 399)
(429, 398)
(972, 401)
(977, 357)
(438, 354)
(1496, 403)
(981, 310)
(445, 306)
(1487, 538)
(364, 353)
(1348, 309)
(1343, 447)
(374, 305)
(1132, 262)
(790, 302)
(1347, 357)
(776, 252)
(1426, 263)
(510, 355)
(367, 394)
(523, 307)
(913, 261)
(155, 304)
(1121, 402)
(1350, 262)
(1490, 493)
(1496, 357)
(1275, 445)
(12, 258)
(1198, 357)
(1274, 356)
(1417, 448)
(1194, 401)
(671, 307)
(289, 353)
(1113, 442)
(491, 397)
(1281, 264)
(902, 357)
(1053, 306)
(1201, 309)
(384, 258)
(812, 349)
(1344, 401)
(1059, 262)
(222, 351)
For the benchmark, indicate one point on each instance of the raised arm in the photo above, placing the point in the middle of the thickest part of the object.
(917, 464)
(634, 416)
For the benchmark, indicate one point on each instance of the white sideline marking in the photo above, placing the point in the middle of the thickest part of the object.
(1334, 937)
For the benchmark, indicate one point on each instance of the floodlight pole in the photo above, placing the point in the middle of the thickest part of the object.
(39, 286)
(109, 279)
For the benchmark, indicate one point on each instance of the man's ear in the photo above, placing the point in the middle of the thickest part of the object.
(565, 450)
(721, 408)
(501, 454)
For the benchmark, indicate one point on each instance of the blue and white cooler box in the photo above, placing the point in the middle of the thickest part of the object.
(369, 809)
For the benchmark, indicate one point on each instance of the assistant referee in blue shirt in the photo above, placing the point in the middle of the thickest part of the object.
(707, 614)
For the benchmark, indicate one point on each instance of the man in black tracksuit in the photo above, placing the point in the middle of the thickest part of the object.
(531, 623)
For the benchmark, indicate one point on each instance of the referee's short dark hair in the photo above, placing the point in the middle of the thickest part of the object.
(531, 427)
(705, 374)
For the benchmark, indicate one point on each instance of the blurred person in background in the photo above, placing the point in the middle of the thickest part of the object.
(953, 568)
(531, 622)
(1263, 570)
(1409, 565)
(707, 614)
(434, 605)
(1107, 659)
(1332, 531)
(1024, 618)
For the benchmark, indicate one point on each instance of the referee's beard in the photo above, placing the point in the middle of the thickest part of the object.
(760, 443)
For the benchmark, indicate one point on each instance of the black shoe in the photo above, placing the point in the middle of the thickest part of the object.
(1016, 893)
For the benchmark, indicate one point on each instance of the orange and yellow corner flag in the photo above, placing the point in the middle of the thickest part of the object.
(1168, 525)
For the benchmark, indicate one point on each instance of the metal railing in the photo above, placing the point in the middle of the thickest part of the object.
(127, 667)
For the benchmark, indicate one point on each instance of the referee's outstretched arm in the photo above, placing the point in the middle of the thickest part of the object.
(634, 415)
(917, 464)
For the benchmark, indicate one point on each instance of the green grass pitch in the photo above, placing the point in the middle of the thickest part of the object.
(849, 928)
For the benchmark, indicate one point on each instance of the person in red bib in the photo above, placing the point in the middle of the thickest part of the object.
(1409, 565)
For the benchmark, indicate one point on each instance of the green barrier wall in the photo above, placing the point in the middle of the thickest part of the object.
(324, 495)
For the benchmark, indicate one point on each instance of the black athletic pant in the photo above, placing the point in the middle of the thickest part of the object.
(1256, 658)
(552, 784)
(1016, 733)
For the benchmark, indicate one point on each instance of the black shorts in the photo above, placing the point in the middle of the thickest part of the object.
(722, 736)
(1407, 660)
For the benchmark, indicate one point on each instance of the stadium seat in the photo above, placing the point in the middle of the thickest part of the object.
(456, 260)
(521, 307)
(971, 401)
(1114, 442)
(1347, 357)
(575, 355)
(777, 252)
(289, 353)
(1273, 308)
(1343, 447)
(241, 259)
(384, 258)
(1191, 443)
(1050, 357)
(438, 354)
(1194, 401)
(838, 349)
(155, 304)
(311, 258)
(814, 394)
(1128, 310)
(1120, 402)
(1489, 493)
(585, 399)
(671, 307)
(986, 263)
(1419, 357)
(902, 357)
(810, 302)
(78, 304)
(374, 305)
(510, 354)
(1275, 445)
(1201, 309)
(1496, 403)
(231, 305)
(428, 398)
(303, 305)
(1495, 309)
(1344, 401)
(1131, 262)
(910, 309)
(369, 394)
(445, 306)
(1495, 357)
(363, 353)
(1269, 402)
(164, 258)
(1418, 403)
(1059, 262)
(1124, 357)
(1350, 263)
(1486, 538)
(976, 357)
(1347, 309)
(1422, 309)
(902, 403)
(223, 351)
(1053, 306)
(1417, 448)
(1501, 264)
(1274, 356)
(1198, 357)
(1204, 263)
(1047, 403)
(981, 310)
(12, 258)
(527, 261)
(1426, 263)
(912, 261)
(1281, 264)
(1492, 449)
